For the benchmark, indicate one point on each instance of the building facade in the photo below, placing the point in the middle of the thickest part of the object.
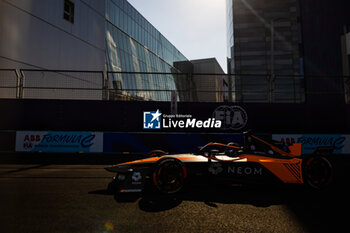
(36, 34)
(289, 51)
(204, 81)
(134, 45)
(325, 51)
(107, 36)
(264, 50)
(210, 81)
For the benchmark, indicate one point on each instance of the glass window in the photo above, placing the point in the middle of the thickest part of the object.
(134, 86)
(119, 38)
(115, 30)
(141, 36)
(107, 9)
(150, 28)
(135, 63)
(129, 41)
(136, 31)
(132, 64)
(125, 27)
(139, 32)
(133, 14)
(125, 6)
(146, 39)
(133, 47)
(68, 11)
(129, 26)
(152, 60)
(147, 60)
(137, 47)
(127, 65)
(149, 41)
(122, 2)
(143, 22)
(118, 3)
(131, 69)
(117, 16)
(122, 18)
(112, 13)
(117, 56)
(122, 60)
(143, 39)
(129, 9)
(139, 18)
(124, 43)
(132, 28)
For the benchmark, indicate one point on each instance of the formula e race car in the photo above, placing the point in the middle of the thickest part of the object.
(257, 161)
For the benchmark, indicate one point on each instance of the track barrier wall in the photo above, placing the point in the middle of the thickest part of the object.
(142, 143)
(127, 116)
(91, 126)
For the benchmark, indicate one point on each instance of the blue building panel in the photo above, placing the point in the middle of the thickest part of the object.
(134, 45)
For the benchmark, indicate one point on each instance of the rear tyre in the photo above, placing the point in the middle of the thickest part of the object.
(169, 176)
(317, 172)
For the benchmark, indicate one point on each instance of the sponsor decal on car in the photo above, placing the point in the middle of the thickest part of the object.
(244, 171)
(136, 178)
(217, 168)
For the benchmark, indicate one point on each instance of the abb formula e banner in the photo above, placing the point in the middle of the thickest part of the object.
(310, 142)
(59, 142)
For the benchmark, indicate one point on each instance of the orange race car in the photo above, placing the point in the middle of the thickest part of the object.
(257, 161)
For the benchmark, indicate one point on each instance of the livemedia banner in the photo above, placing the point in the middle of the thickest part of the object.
(59, 142)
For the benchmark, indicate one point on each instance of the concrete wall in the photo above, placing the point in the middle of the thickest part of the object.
(35, 35)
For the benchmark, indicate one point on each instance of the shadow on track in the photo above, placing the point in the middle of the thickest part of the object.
(318, 211)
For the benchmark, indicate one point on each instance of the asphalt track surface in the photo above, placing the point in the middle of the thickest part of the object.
(73, 198)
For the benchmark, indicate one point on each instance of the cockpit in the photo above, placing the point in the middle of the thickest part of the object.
(213, 149)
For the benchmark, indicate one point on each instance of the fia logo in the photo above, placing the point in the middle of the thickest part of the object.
(232, 117)
(151, 120)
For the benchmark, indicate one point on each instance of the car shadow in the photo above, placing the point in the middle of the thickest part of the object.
(258, 196)
(318, 211)
(323, 211)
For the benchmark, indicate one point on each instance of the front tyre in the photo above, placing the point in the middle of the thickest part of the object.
(112, 187)
(317, 172)
(169, 175)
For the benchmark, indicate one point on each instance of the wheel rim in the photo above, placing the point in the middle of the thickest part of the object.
(318, 172)
(169, 177)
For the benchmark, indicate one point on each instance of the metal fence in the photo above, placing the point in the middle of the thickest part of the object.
(9, 84)
(153, 86)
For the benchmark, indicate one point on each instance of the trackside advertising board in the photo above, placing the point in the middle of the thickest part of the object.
(59, 142)
(310, 142)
